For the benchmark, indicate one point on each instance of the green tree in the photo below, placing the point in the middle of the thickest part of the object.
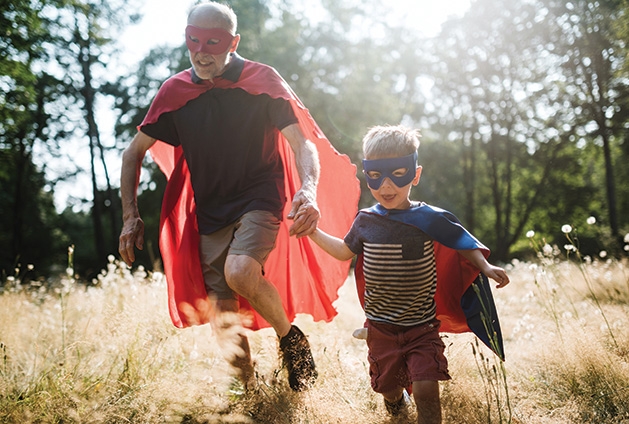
(83, 43)
(589, 49)
(25, 89)
(488, 85)
(328, 63)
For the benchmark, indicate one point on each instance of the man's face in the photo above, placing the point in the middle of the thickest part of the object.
(209, 50)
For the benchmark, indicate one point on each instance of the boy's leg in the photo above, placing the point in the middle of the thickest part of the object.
(426, 395)
(395, 401)
(427, 366)
(394, 396)
(387, 365)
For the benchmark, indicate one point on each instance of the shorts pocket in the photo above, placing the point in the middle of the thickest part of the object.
(440, 358)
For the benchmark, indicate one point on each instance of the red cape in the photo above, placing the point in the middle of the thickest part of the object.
(306, 278)
(455, 275)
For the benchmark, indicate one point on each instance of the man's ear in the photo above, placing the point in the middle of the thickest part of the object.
(418, 174)
(235, 43)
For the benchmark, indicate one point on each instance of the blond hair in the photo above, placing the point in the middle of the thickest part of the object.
(385, 141)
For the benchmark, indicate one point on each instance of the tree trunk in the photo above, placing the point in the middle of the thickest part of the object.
(469, 182)
(18, 202)
(87, 91)
(610, 186)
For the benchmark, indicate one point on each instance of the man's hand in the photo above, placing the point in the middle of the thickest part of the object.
(305, 215)
(132, 235)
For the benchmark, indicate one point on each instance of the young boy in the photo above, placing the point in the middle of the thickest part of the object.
(398, 263)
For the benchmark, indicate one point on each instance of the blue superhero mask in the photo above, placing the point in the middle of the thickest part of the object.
(383, 168)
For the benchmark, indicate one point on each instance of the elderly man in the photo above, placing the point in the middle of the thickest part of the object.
(223, 126)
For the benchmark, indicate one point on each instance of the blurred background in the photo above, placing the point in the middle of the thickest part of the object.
(523, 107)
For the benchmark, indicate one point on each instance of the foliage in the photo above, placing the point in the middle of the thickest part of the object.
(28, 237)
(590, 63)
(83, 33)
(42, 244)
(522, 105)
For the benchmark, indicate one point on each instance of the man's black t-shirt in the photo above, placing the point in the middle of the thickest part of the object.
(229, 138)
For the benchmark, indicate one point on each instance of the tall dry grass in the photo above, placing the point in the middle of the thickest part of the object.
(107, 353)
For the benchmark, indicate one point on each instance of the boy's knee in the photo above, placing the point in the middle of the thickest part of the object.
(426, 392)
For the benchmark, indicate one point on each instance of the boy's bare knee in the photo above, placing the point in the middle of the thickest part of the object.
(427, 399)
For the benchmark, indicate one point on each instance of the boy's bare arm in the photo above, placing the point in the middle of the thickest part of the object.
(494, 272)
(334, 246)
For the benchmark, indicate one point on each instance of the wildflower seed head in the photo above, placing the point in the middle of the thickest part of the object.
(566, 229)
(569, 247)
(602, 254)
(548, 250)
(530, 234)
(627, 238)
(591, 220)
(626, 247)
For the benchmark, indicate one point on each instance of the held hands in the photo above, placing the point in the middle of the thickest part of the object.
(305, 215)
(132, 235)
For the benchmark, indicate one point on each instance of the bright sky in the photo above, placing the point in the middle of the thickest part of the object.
(163, 23)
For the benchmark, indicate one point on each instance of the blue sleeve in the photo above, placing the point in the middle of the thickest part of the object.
(352, 238)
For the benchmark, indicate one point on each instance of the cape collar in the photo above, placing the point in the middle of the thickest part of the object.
(381, 210)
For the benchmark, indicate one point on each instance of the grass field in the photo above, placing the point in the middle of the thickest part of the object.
(109, 354)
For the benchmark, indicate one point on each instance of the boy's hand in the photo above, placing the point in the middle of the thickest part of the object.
(497, 274)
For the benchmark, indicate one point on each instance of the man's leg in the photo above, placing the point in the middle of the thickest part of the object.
(226, 321)
(254, 239)
(232, 338)
(244, 276)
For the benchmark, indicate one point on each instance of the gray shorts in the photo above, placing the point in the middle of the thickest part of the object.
(254, 235)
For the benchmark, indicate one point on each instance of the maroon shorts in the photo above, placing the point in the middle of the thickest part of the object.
(399, 355)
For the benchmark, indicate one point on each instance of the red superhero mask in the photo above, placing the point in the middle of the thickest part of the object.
(210, 41)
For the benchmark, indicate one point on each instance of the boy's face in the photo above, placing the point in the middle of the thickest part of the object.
(390, 179)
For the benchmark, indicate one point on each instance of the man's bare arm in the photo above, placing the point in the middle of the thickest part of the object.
(304, 209)
(132, 233)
